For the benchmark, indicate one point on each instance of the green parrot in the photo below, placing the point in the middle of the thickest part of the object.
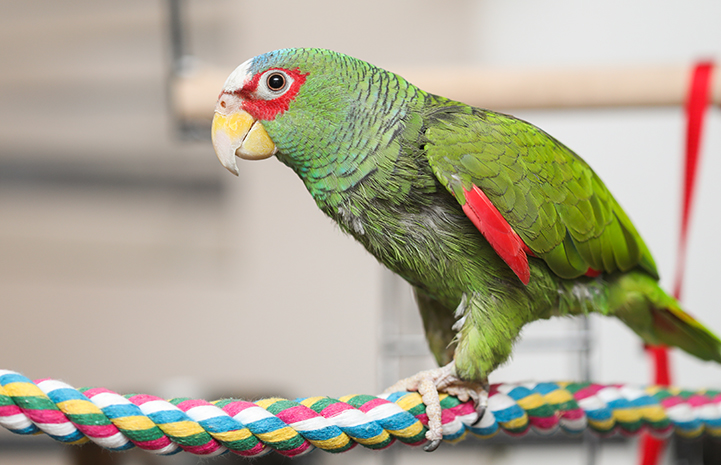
(493, 222)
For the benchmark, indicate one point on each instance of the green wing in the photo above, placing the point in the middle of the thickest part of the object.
(548, 195)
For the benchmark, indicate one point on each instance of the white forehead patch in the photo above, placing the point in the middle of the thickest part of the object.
(238, 78)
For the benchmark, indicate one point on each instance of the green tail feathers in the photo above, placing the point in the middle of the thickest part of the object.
(638, 301)
(674, 327)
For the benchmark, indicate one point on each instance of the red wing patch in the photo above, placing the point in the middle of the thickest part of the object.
(591, 273)
(494, 227)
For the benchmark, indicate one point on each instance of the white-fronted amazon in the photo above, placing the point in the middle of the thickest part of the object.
(493, 222)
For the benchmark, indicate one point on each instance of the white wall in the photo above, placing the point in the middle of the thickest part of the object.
(255, 291)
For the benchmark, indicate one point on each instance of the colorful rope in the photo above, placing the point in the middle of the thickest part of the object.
(294, 427)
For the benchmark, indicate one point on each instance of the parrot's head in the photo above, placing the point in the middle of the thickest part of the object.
(277, 102)
(320, 112)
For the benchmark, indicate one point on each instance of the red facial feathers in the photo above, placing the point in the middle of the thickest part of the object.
(268, 109)
(504, 240)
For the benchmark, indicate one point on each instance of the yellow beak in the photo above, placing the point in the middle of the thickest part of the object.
(236, 133)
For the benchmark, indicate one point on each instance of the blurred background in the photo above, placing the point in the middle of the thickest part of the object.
(130, 259)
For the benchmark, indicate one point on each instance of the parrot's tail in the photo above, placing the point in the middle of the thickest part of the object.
(638, 301)
(674, 327)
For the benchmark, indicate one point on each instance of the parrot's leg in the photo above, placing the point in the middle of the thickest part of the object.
(486, 330)
(429, 383)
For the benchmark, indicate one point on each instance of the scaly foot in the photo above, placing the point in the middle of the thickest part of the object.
(428, 383)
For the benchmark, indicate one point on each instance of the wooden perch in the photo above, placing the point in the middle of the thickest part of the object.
(194, 95)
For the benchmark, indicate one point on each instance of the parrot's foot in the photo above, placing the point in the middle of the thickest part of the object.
(429, 383)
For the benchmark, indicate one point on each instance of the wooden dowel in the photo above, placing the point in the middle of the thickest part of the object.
(195, 95)
(602, 87)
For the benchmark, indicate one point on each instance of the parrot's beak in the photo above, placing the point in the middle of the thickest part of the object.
(236, 133)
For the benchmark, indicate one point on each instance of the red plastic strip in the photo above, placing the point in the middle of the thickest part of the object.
(698, 100)
(696, 103)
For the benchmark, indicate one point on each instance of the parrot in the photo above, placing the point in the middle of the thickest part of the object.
(493, 222)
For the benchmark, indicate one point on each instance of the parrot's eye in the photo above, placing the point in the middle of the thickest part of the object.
(276, 82)
(272, 84)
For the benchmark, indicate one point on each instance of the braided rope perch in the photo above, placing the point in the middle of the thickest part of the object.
(294, 427)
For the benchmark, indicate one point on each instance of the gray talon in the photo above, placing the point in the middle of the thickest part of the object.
(480, 410)
(432, 445)
(482, 404)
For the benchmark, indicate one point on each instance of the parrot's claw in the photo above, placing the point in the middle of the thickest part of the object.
(432, 445)
(480, 411)
(429, 383)
(481, 404)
